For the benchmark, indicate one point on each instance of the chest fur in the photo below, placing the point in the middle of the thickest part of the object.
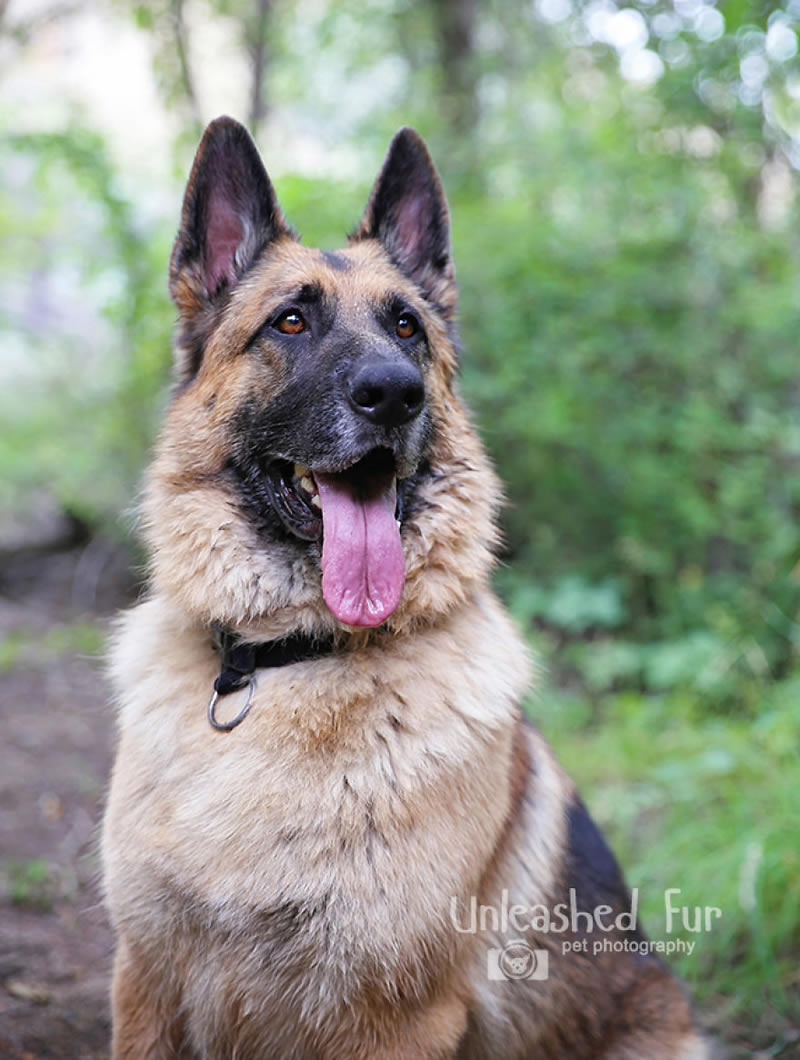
(332, 828)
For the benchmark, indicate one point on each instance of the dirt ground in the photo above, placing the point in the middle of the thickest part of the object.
(55, 754)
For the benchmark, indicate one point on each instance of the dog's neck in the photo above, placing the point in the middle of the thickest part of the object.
(239, 659)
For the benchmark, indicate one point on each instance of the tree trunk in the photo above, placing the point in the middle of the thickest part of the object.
(259, 59)
(455, 23)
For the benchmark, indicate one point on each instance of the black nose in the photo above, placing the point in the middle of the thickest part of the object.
(388, 393)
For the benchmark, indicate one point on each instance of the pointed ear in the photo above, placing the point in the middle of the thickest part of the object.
(407, 212)
(230, 213)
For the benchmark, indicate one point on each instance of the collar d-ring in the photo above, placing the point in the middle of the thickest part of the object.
(226, 726)
(240, 660)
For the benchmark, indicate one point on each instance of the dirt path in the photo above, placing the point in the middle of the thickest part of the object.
(55, 753)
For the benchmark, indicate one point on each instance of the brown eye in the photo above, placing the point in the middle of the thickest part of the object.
(290, 323)
(406, 326)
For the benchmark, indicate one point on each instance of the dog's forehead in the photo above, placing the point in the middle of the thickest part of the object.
(355, 281)
(357, 275)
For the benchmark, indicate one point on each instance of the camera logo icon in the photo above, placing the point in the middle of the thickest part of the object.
(516, 960)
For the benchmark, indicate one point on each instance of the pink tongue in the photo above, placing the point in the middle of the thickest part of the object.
(363, 566)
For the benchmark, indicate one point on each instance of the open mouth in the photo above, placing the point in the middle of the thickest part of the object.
(355, 512)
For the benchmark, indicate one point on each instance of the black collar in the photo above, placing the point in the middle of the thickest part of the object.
(240, 660)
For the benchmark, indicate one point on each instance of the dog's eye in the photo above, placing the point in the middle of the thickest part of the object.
(406, 326)
(290, 323)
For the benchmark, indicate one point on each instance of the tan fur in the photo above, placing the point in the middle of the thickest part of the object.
(284, 890)
(198, 537)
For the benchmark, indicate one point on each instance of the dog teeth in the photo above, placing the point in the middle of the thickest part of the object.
(307, 483)
(399, 524)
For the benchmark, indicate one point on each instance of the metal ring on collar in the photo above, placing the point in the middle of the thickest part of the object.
(226, 726)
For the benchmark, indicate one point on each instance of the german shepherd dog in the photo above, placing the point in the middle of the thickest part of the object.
(322, 763)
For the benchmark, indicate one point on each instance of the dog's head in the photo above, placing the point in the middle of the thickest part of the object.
(315, 458)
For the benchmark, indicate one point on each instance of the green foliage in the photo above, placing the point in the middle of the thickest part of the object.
(29, 883)
(20, 647)
(571, 605)
(83, 410)
(630, 358)
(687, 804)
(322, 211)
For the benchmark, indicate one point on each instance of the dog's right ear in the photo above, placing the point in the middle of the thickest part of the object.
(230, 213)
(407, 212)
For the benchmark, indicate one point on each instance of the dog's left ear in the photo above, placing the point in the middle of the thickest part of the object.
(407, 212)
(230, 214)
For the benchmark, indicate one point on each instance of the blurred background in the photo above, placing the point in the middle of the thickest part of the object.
(623, 186)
